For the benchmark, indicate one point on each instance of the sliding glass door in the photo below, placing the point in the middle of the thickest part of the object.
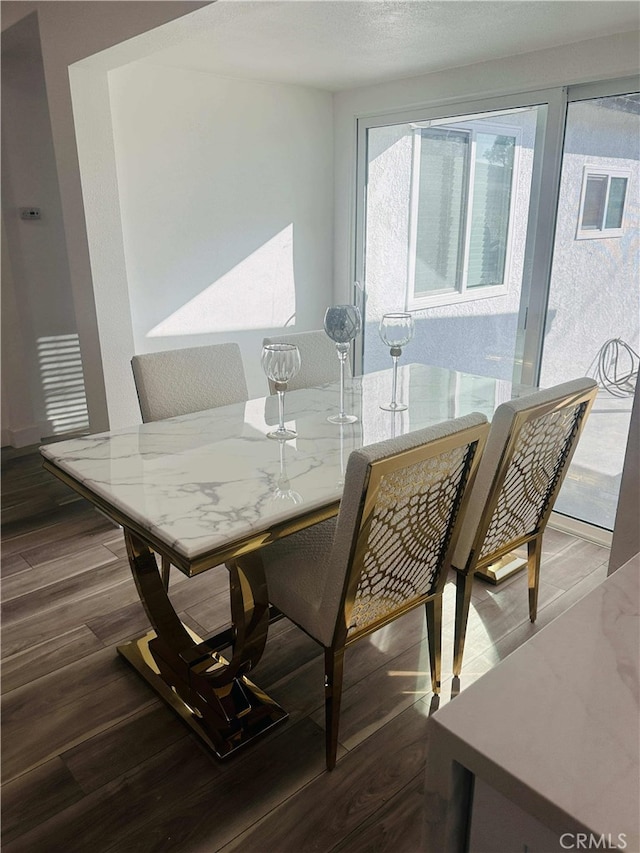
(509, 228)
(592, 323)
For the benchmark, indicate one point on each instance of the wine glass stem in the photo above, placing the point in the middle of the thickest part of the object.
(281, 410)
(394, 384)
(343, 360)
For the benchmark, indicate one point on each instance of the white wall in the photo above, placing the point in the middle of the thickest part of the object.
(38, 310)
(226, 205)
(101, 206)
(20, 427)
(67, 33)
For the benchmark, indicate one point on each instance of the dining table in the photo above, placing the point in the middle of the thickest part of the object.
(203, 490)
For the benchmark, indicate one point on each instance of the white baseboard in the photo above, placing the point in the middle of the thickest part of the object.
(21, 437)
(581, 529)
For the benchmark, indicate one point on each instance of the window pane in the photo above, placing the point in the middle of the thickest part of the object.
(441, 209)
(615, 206)
(453, 329)
(490, 211)
(594, 196)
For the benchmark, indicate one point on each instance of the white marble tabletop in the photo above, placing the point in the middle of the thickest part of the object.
(202, 481)
(555, 726)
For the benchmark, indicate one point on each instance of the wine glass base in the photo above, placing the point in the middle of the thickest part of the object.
(395, 407)
(282, 434)
(342, 419)
(281, 497)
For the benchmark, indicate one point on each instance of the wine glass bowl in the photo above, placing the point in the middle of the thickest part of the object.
(280, 363)
(342, 323)
(396, 330)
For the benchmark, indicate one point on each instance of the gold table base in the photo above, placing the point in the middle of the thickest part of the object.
(246, 710)
(502, 569)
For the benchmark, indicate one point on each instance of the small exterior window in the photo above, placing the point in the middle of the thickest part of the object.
(602, 203)
(461, 212)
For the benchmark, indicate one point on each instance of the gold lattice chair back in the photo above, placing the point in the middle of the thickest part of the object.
(540, 453)
(530, 445)
(409, 516)
(528, 452)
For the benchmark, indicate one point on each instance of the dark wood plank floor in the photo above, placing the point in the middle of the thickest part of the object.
(92, 761)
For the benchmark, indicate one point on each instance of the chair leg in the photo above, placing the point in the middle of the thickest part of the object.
(434, 636)
(534, 552)
(333, 671)
(464, 583)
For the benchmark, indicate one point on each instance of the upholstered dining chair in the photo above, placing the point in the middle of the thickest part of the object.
(386, 552)
(181, 381)
(529, 449)
(319, 363)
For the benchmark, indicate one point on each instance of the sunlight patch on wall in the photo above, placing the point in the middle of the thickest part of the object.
(258, 293)
(62, 380)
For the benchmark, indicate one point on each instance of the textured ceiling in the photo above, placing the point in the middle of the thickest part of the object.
(340, 44)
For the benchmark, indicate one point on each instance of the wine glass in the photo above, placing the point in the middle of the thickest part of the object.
(342, 323)
(281, 362)
(396, 330)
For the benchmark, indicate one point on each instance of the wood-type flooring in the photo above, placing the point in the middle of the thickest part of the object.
(93, 761)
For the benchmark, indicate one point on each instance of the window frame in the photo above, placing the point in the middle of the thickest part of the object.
(462, 293)
(602, 232)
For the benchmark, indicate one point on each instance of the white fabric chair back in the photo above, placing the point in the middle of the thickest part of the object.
(319, 362)
(181, 381)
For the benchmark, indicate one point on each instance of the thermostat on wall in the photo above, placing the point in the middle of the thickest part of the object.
(29, 213)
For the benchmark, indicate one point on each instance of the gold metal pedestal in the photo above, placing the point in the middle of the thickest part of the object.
(502, 569)
(211, 693)
(243, 712)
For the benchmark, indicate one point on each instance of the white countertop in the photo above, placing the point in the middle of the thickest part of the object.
(200, 481)
(555, 726)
